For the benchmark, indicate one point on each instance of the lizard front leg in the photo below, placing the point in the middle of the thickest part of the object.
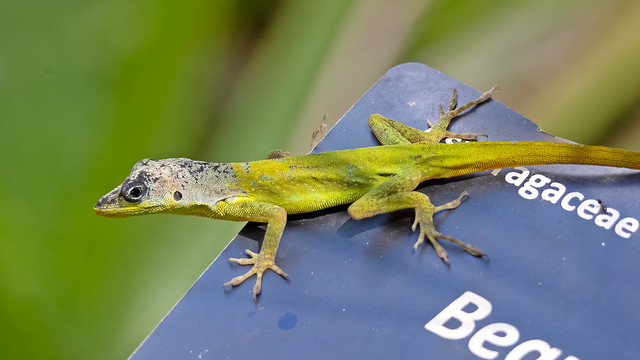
(276, 218)
(396, 194)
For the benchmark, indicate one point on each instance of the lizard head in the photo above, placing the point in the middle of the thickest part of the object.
(152, 187)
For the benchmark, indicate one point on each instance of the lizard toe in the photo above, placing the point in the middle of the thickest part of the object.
(241, 278)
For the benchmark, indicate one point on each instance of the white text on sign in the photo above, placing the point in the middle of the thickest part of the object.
(454, 323)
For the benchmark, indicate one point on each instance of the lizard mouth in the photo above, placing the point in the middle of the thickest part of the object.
(116, 207)
(116, 211)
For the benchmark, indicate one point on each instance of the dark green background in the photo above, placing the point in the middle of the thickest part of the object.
(87, 88)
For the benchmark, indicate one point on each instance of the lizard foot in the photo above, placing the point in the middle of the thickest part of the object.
(261, 263)
(438, 131)
(464, 136)
(450, 135)
(424, 218)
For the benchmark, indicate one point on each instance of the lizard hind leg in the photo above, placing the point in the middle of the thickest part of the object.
(396, 195)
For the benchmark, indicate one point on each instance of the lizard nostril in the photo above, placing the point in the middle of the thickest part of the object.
(177, 196)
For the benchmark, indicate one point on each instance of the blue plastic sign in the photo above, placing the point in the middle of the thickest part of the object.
(559, 280)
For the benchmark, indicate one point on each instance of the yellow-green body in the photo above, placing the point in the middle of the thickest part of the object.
(373, 180)
(306, 183)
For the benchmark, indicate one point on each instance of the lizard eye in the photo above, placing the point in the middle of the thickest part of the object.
(133, 191)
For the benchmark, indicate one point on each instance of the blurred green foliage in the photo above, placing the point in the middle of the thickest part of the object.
(87, 88)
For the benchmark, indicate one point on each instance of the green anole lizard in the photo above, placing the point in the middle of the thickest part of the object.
(374, 180)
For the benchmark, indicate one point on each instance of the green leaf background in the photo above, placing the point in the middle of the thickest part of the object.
(87, 88)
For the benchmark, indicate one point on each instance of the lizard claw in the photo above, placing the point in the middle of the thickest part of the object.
(433, 235)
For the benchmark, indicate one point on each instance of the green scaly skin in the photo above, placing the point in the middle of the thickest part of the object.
(374, 180)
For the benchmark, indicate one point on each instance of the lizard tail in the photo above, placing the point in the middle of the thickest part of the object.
(478, 156)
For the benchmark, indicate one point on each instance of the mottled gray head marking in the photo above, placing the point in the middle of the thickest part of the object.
(168, 186)
(140, 193)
